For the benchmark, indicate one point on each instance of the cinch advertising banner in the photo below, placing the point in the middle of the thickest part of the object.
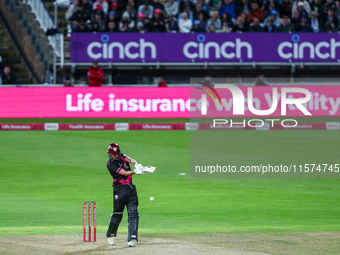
(205, 47)
(119, 102)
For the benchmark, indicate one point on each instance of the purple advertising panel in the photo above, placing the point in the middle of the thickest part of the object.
(201, 47)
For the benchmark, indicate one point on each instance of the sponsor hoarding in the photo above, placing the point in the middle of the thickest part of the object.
(205, 47)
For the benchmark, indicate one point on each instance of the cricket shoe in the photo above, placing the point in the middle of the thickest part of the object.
(131, 243)
(111, 240)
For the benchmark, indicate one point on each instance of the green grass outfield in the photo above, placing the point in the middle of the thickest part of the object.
(45, 177)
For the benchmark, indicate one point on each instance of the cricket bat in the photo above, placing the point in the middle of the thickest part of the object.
(149, 169)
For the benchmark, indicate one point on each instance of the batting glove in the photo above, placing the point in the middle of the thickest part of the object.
(138, 169)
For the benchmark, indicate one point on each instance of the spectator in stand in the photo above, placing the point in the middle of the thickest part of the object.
(255, 26)
(98, 18)
(118, 14)
(126, 25)
(71, 9)
(260, 3)
(111, 27)
(330, 28)
(202, 20)
(132, 12)
(161, 82)
(276, 21)
(83, 28)
(261, 81)
(330, 22)
(226, 18)
(112, 17)
(225, 28)
(255, 12)
(286, 8)
(87, 5)
(199, 10)
(80, 16)
(243, 6)
(205, 7)
(296, 19)
(286, 26)
(7, 78)
(316, 6)
(184, 24)
(95, 75)
(140, 27)
(95, 27)
(214, 5)
(99, 11)
(304, 27)
(146, 9)
(187, 11)
(323, 14)
(197, 27)
(171, 8)
(157, 5)
(103, 3)
(270, 27)
(246, 24)
(214, 20)
(133, 4)
(303, 13)
(184, 4)
(324, 11)
(157, 23)
(121, 4)
(208, 81)
(337, 9)
(228, 7)
(171, 24)
(331, 4)
(239, 25)
(315, 22)
(211, 29)
(305, 5)
(269, 6)
(141, 18)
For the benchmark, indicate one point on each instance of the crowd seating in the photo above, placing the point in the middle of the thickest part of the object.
(212, 16)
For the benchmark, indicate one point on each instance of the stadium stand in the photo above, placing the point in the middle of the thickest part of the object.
(30, 43)
(10, 57)
(327, 12)
(48, 26)
(62, 24)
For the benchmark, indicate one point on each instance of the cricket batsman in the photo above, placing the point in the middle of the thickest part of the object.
(124, 193)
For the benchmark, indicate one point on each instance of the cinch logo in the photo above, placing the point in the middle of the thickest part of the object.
(227, 50)
(239, 99)
(296, 50)
(131, 50)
